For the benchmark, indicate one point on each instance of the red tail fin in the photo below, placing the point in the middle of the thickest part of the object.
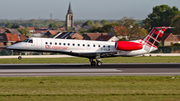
(154, 37)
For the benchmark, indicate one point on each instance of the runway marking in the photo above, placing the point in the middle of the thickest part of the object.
(58, 70)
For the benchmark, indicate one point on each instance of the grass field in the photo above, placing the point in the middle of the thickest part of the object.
(158, 59)
(116, 88)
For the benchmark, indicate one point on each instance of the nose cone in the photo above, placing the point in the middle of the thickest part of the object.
(10, 47)
(15, 46)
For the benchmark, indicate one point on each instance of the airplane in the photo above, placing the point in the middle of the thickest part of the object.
(93, 49)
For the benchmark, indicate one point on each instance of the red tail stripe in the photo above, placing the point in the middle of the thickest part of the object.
(163, 29)
(160, 34)
(156, 32)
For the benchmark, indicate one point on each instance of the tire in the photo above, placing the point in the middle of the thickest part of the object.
(99, 63)
(93, 63)
(19, 57)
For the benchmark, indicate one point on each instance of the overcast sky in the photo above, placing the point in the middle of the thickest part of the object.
(82, 9)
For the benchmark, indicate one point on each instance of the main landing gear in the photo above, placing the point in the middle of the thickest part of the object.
(98, 60)
(93, 63)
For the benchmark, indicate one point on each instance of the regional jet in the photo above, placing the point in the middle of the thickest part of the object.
(93, 49)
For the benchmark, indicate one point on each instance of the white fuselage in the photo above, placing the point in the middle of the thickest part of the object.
(69, 46)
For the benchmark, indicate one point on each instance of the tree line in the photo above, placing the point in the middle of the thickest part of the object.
(30, 23)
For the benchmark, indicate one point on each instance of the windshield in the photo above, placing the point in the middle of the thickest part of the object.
(26, 40)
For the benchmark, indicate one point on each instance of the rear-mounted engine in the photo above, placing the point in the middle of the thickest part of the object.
(128, 45)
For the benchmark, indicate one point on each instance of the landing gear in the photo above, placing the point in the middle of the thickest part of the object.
(99, 63)
(98, 60)
(19, 57)
(93, 63)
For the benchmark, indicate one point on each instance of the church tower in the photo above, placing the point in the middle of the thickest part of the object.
(69, 18)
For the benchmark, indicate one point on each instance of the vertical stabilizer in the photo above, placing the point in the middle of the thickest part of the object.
(152, 40)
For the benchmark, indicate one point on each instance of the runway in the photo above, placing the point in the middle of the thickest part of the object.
(118, 69)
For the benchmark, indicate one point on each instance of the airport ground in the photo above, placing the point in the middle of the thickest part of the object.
(96, 83)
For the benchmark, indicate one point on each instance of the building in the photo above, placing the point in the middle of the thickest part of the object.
(31, 29)
(92, 36)
(69, 18)
(109, 38)
(13, 31)
(38, 32)
(7, 39)
(169, 39)
(49, 33)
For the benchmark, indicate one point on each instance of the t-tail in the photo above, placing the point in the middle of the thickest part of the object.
(152, 40)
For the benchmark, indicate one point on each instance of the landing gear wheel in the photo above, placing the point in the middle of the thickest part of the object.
(93, 63)
(99, 63)
(19, 57)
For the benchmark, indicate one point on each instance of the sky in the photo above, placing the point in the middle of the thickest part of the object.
(82, 9)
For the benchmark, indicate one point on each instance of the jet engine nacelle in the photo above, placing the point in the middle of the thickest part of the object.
(128, 45)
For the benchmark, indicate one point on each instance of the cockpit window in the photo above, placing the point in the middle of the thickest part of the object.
(26, 40)
(30, 41)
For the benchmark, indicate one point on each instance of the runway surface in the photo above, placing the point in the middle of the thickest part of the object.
(120, 69)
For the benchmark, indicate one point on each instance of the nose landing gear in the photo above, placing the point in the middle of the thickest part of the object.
(19, 57)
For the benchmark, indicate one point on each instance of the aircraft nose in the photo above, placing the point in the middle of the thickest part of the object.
(12, 47)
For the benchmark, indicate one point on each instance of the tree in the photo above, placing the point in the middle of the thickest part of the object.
(132, 28)
(53, 25)
(119, 31)
(162, 15)
(176, 24)
(106, 28)
(8, 25)
(97, 24)
(146, 24)
(88, 23)
(104, 22)
(15, 26)
(81, 30)
(24, 31)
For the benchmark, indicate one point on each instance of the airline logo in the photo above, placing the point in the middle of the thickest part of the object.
(56, 47)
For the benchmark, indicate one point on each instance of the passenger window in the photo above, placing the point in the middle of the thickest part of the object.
(104, 46)
(99, 45)
(68, 44)
(78, 44)
(64, 43)
(50, 43)
(73, 44)
(46, 43)
(59, 43)
(83, 44)
(94, 45)
(88, 45)
(30, 41)
(108, 46)
(55, 43)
